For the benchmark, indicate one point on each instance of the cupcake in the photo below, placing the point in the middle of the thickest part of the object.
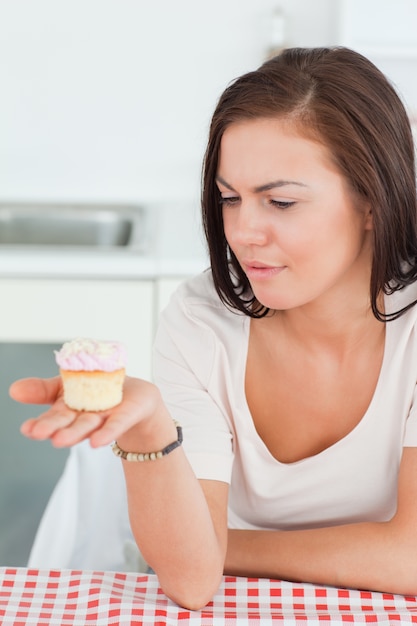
(92, 373)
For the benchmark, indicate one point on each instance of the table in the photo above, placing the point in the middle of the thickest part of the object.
(79, 598)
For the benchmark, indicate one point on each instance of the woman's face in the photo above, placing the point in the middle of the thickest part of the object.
(289, 217)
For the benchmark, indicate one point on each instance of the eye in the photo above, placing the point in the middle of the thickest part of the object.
(282, 204)
(229, 200)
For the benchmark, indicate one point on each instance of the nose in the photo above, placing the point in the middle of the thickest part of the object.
(250, 227)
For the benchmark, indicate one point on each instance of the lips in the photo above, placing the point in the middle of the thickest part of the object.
(259, 270)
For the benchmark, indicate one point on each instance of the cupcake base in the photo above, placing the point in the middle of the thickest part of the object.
(92, 391)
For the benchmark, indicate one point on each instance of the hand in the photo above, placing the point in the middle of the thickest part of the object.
(66, 427)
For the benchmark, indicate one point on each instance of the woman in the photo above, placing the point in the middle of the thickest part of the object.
(292, 363)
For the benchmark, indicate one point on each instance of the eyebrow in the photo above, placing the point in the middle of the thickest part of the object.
(267, 187)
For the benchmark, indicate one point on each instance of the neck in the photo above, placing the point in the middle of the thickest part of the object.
(338, 329)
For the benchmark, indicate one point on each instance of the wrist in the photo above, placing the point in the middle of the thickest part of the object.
(149, 456)
(150, 434)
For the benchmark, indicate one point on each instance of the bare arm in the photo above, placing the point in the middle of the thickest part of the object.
(179, 524)
(377, 556)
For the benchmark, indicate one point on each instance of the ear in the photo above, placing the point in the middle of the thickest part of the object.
(369, 222)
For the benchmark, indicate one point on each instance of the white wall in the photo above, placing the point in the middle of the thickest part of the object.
(111, 99)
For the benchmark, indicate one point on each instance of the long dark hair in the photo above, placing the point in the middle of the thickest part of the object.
(340, 98)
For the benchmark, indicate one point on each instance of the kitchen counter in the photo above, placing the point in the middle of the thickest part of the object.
(175, 248)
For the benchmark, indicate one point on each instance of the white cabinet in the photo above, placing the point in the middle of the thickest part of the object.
(53, 311)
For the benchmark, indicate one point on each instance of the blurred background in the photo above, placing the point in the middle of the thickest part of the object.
(107, 102)
(110, 99)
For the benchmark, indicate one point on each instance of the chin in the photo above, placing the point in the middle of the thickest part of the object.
(275, 305)
(270, 299)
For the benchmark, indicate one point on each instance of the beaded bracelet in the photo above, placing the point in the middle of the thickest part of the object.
(148, 456)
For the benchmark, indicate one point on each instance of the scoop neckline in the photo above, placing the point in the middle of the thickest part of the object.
(260, 444)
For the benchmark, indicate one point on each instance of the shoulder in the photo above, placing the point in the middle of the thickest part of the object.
(197, 332)
(196, 322)
(196, 301)
(399, 300)
(198, 289)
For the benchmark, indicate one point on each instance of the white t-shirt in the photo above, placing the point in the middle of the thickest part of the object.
(199, 365)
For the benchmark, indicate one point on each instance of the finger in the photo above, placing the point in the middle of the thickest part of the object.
(48, 423)
(140, 400)
(63, 427)
(121, 419)
(111, 428)
(36, 390)
(26, 427)
(81, 428)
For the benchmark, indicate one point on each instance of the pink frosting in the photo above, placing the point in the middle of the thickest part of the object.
(90, 355)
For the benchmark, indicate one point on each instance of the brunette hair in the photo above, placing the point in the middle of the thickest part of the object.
(340, 98)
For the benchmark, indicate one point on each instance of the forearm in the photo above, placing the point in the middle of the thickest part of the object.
(377, 556)
(171, 519)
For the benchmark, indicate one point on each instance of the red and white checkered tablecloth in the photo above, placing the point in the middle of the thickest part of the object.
(80, 598)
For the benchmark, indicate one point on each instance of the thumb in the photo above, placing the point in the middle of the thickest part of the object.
(36, 390)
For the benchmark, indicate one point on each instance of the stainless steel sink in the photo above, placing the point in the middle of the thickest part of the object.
(73, 225)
